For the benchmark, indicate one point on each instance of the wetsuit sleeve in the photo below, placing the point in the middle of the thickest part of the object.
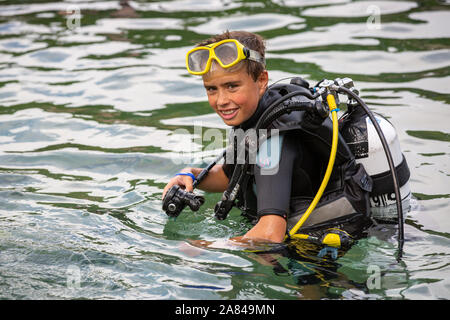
(273, 178)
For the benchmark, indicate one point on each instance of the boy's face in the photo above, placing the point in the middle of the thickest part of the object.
(234, 95)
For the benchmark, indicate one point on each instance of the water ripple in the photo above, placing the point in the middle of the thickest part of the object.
(88, 139)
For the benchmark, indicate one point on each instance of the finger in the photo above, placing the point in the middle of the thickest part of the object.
(188, 184)
(172, 182)
(167, 187)
(164, 193)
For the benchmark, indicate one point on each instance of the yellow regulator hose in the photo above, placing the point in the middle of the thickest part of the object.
(333, 108)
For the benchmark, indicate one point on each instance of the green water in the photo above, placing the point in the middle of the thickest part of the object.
(90, 119)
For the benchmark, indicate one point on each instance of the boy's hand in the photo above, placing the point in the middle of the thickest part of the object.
(185, 182)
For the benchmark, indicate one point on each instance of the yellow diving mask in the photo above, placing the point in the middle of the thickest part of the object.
(227, 53)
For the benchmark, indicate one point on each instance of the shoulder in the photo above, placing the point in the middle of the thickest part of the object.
(269, 151)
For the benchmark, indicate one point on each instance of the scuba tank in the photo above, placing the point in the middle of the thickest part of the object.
(360, 135)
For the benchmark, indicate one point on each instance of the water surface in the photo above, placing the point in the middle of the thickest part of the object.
(90, 119)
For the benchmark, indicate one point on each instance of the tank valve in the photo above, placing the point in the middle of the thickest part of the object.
(348, 83)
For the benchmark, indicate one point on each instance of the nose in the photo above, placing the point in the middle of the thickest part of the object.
(222, 98)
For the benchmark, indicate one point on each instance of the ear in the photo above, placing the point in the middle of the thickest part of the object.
(262, 81)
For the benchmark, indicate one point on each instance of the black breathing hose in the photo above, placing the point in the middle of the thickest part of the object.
(206, 170)
(390, 160)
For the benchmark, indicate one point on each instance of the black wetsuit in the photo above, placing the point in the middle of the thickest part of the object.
(274, 181)
(284, 183)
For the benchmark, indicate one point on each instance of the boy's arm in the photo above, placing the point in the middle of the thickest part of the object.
(269, 228)
(273, 187)
(215, 180)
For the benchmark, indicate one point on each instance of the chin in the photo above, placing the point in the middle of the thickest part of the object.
(232, 122)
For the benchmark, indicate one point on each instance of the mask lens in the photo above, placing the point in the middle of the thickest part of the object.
(226, 52)
(197, 60)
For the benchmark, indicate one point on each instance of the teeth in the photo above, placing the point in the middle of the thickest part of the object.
(228, 111)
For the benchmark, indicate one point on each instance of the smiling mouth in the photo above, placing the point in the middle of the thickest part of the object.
(229, 113)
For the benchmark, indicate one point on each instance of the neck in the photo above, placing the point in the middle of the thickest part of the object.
(267, 98)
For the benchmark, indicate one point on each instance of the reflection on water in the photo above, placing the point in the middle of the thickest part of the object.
(360, 9)
(89, 117)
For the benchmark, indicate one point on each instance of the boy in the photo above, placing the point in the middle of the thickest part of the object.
(235, 80)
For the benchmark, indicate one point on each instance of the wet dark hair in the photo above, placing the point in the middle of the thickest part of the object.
(252, 41)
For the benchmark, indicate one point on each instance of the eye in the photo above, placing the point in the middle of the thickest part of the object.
(210, 89)
(232, 86)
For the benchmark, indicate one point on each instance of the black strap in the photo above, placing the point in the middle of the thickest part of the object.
(382, 182)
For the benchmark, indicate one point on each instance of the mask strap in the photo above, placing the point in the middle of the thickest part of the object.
(255, 56)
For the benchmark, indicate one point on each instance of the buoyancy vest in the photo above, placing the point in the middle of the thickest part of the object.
(346, 198)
